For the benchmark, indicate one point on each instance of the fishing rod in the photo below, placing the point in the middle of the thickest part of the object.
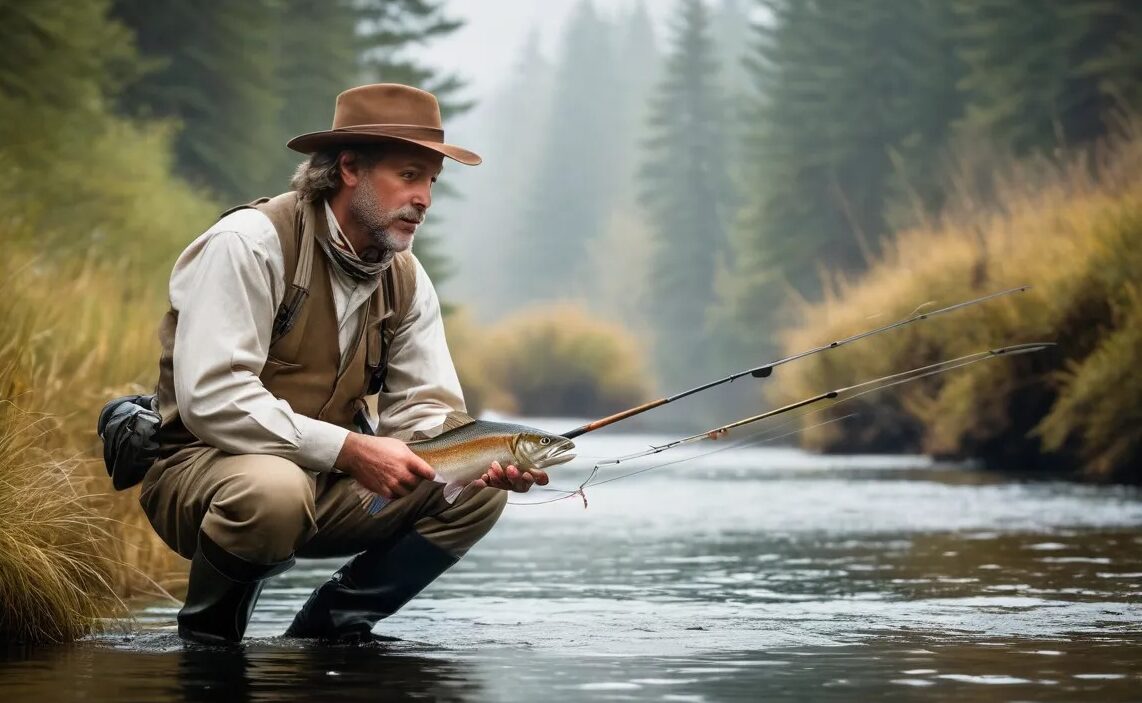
(845, 393)
(766, 370)
(841, 395)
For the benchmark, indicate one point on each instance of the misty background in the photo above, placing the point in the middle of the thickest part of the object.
(672, 189)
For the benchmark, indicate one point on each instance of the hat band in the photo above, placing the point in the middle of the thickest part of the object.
(405, 131)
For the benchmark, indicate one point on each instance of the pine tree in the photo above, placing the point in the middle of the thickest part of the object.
(688, 193)
(850, 96)
(1043, 75)
(66, 56)
(730, 25)
(243, 78)
(573, 187)
(387, 29)
(619, 282)
(310, 80)
(513, 124)
(213, 71)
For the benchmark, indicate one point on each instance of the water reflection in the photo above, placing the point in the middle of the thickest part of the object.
(158, 667)
(895, 665)
(749, 575)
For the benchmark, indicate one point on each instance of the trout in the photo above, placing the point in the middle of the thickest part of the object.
(464, 453)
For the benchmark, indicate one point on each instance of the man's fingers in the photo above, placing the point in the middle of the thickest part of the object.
(421, 468)
(540, 477)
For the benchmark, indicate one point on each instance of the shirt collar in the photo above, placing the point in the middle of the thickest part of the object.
(335, 234)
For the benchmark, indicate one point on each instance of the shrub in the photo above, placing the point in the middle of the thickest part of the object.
(556, 360)
(1073, 231)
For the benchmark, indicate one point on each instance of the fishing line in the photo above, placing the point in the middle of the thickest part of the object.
(872, 386)
(748, 441)
(741, 444)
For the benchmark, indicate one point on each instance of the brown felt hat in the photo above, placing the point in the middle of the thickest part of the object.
(384, 112)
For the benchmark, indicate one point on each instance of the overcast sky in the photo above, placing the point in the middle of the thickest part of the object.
(485, 48)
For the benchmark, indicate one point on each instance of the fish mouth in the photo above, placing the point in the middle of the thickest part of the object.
(556, 454)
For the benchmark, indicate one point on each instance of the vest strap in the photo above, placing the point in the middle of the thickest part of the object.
(388, 331)
(298, 291)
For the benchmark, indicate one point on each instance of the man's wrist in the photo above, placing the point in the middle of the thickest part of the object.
(320, 443)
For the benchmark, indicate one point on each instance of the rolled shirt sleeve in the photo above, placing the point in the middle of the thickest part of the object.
(421, 387)
(226, 288)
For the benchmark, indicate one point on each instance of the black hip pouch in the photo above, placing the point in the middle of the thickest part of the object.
(129, 427)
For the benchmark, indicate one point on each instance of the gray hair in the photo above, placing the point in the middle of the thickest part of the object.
(319, 177)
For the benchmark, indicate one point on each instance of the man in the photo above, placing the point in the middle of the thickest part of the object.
(284, 316)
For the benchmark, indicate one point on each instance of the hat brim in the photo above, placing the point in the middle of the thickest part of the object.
(317, 141)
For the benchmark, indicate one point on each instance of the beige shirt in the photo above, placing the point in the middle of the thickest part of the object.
(226, 287)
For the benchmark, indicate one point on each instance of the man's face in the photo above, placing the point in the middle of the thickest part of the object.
(392, 197)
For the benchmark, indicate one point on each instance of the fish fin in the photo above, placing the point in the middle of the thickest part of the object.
(452, 491)
(376, 504)
(452, 421)
(456, 419)
(373, 502)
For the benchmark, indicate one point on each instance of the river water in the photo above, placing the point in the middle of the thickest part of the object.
(745, 574)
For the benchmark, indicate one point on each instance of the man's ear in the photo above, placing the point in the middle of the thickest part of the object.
(347, 164)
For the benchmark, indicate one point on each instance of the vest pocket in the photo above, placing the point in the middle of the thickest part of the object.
(276, 367)
(373, 345)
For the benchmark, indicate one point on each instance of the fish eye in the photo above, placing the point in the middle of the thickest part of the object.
(545, 440)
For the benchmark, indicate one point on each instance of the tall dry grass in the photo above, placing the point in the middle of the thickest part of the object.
(54, 586)
(74, 334)
(88, 230)
(1073, 230)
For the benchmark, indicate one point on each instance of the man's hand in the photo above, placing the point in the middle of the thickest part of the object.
(511, 478)
(383, 465)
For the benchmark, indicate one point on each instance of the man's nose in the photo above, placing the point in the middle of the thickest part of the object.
(422, 198)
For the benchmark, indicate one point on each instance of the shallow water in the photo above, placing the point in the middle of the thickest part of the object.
(745, 574)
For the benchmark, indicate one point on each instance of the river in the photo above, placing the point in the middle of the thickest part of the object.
(750, 573)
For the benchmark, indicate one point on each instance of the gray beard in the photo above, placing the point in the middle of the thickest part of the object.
(366, 211)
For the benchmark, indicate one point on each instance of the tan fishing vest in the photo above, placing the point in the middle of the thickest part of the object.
(304, 364)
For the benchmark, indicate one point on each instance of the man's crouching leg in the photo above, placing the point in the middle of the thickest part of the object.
(423, 539)
(242, 517)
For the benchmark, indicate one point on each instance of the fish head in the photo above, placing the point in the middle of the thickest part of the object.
(536, 449)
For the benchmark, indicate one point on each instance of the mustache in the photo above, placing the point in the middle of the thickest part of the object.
(409, 214)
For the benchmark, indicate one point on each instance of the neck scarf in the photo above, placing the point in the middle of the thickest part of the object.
(340, 251)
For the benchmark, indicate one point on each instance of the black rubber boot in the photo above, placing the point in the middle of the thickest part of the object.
(371, 586)
(221, 594)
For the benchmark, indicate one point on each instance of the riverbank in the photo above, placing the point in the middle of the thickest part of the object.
(1072, 230)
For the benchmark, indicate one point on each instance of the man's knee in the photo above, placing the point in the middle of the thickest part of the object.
(461, 525)
(484, 508)
(262, 510)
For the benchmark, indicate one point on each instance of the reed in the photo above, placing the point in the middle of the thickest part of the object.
(1072, 228)
(66, 350)
(88, 232)
(53, 586)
